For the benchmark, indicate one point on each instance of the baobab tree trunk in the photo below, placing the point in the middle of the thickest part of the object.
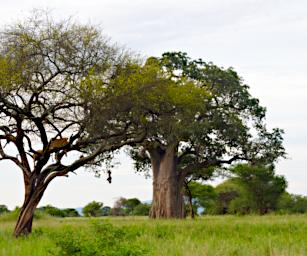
(33, 195)
(167, 185)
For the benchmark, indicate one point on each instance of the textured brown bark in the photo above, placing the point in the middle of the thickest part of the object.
(33, 195)
(167, 185)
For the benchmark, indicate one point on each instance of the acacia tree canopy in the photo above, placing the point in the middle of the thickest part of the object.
(263, 185)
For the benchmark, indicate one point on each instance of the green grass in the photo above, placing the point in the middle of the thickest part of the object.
(213, 235)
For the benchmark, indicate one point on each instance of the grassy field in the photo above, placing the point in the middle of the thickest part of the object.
(212, 235)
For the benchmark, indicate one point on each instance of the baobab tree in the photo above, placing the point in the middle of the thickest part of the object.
(54, 80)
(202, 118)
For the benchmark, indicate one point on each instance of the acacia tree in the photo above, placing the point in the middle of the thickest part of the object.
(262, 184)
(54, 80)
(202, 117)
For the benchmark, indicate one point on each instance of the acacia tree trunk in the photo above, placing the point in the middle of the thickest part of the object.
(33, 194)
(167, 185)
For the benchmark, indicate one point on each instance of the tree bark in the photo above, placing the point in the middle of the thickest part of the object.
(33, 195)
(167, 185)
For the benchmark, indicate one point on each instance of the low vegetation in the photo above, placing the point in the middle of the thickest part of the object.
(211, 235)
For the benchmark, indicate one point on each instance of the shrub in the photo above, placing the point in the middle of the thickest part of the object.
(141, 210)
(3, 209)
(101, 238)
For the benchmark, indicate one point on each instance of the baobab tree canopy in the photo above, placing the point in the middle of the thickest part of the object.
(205, 118)
(53, 75)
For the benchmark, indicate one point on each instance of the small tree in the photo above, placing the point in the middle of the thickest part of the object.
(227, 191)
(93, 209)
(265, 188)
(130, 204)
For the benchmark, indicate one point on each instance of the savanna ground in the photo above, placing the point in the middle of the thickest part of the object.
(211, 235)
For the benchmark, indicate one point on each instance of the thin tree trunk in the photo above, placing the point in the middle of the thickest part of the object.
(167, 186)
(192, 213)
(33, 195)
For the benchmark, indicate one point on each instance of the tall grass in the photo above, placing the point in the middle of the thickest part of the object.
(212, 235)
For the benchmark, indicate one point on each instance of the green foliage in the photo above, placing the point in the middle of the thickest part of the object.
(228, 191)
(13, 215)
(206, 111)
(62, 95)
(71, 212)
(131, 206)
(141, 210)
(240, 205)
(204, 196)
(52, 211)
(281, 235)
(56, 212)
(3, 209)
(263, 186)
(101, 239)
(254, 189)
(289, 203)
(93, 209)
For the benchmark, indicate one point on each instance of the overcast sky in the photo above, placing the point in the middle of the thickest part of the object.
(265, 42)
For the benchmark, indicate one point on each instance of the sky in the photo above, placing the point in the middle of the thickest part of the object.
(264, 41)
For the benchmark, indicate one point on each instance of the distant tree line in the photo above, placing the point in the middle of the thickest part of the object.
(44, 210)
(122, 207)
(248, 190)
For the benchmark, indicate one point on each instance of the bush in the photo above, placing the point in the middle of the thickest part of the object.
(141, 210)
(52, 211)
(13, 215)
(289, 203)
(101, 239)
(10, 216)
(3, 209)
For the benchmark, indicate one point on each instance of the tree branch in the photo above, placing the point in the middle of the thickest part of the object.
(205, 164)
